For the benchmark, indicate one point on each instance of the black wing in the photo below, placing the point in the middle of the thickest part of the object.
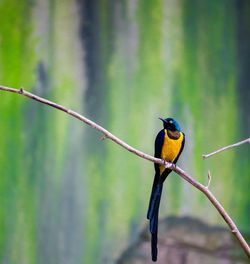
(182, 146)
(159, 140)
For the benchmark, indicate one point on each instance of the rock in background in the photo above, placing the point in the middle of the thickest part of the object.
(186, 240)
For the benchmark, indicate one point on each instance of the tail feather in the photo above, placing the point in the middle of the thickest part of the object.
(154, 207)
(153, 195)
(154, 249)
(152, 215)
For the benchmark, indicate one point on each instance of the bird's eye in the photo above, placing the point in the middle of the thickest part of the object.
(171, 121)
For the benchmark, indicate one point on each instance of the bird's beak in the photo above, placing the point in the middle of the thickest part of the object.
(162, 120)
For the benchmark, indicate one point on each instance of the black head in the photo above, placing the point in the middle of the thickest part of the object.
(170, 124)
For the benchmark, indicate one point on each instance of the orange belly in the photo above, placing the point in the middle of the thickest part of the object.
(170, 149)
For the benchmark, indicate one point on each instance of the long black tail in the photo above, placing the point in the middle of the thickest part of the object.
(152, 215)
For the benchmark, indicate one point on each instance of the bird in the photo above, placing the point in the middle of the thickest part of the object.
(169, 144)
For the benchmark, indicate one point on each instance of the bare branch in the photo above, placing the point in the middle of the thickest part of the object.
(204, 156)
(105, 132)
(171, 166)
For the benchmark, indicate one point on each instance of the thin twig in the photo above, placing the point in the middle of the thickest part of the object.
(209, 179)
(103, 138)
(204, 156)
(171, 166)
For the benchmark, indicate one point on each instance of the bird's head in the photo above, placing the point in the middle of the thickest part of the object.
(170, 124)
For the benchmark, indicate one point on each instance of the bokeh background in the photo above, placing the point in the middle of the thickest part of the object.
(66, 196)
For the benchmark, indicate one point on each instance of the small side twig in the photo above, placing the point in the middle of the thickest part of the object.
(204, 156)
(209, 176)
(103, 138)
(169, 165)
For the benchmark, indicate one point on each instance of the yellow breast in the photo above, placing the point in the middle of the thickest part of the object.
(170, 149)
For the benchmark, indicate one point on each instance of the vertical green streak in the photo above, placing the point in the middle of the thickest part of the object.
(207, 84)
(135, 73)
(241, 181)
(17, 60)
(60, 213)
(98, 42)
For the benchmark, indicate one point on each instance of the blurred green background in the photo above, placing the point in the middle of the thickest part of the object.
(66, 196)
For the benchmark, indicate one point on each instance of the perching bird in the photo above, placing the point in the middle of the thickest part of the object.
(169, 144)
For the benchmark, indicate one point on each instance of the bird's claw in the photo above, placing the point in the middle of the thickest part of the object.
(167, 164)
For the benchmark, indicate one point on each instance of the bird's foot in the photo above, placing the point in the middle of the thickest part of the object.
(167, 164)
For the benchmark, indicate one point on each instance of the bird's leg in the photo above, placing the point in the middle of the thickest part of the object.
(166, 164)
